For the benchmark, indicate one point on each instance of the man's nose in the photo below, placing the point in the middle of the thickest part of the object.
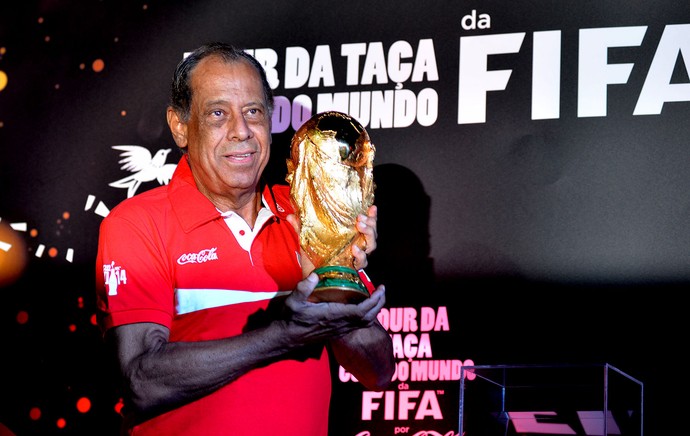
(238, 129)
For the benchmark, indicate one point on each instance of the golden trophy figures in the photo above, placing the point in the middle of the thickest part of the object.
(330, 172)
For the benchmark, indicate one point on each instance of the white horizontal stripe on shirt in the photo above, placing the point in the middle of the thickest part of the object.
(191, 300)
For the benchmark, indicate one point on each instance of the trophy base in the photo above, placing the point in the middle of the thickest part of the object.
(338, 284)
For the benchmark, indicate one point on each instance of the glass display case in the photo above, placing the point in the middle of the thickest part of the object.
(587, 400)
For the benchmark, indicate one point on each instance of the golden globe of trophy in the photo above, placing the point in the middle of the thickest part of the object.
(330, 172)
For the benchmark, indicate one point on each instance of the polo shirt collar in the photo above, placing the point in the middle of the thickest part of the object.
(190, 206)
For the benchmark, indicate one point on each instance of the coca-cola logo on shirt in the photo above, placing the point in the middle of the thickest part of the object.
(202, 256)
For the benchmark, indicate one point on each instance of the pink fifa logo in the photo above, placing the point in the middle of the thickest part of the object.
(114, 276)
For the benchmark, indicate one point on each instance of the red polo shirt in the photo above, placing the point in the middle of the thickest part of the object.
(168, 256)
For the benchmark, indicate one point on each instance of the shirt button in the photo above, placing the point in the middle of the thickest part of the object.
(242, 232)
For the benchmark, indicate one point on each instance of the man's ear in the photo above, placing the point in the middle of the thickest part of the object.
(177, 127)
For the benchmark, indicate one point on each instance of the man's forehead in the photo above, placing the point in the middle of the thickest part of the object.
(220, 75)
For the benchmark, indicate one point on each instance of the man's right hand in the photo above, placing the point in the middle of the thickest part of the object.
(325, 320)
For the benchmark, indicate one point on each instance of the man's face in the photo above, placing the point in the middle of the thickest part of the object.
(228, 135)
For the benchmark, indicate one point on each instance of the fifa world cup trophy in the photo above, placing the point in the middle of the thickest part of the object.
(330, 172)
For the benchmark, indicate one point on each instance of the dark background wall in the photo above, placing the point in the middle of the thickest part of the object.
(555, 240)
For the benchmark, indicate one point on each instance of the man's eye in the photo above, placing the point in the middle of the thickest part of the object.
(255, 114)
(217, 113)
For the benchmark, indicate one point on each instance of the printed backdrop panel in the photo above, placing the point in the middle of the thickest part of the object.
(531, 174)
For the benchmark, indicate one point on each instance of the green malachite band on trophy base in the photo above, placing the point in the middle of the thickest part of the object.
(340, 284)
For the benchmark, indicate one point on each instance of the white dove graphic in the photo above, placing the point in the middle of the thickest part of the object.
(138, 160)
